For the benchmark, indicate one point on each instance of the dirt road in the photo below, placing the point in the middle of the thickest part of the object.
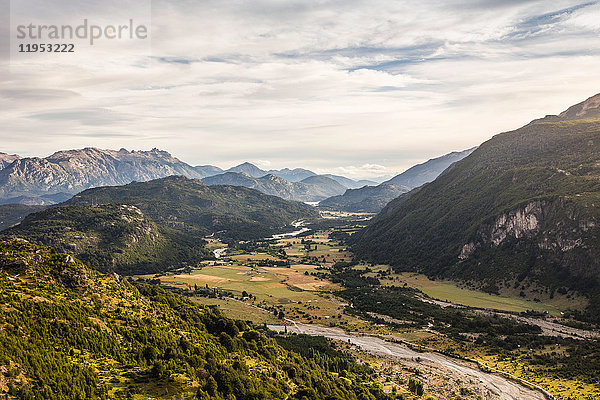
(493, 386)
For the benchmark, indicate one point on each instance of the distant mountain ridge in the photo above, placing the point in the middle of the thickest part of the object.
(53, 179)
(426, 172)
(370, 199)
(72, 171)
(7, 159)
(312, 188)
(373, 199)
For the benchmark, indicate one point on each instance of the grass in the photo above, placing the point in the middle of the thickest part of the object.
(449, 292)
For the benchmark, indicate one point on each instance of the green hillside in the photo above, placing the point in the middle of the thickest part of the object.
(366, 199)
(523, 209)
(69, 332)
(110, 238)
(11, 214)
(192, 207)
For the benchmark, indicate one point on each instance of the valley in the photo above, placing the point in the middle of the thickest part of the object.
(291, 285)
(479, 283)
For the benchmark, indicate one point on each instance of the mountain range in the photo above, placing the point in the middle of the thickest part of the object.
(373, 198)
(54, 179)
(311, 189)
(147, 227)
(520, 213)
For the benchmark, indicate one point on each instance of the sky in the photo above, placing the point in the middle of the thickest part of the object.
(359, 88)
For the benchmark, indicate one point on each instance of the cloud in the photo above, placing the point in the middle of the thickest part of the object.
(314, 84)
(90, 116)
(365, 171)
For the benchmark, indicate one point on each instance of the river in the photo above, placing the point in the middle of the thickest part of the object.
(497, 386)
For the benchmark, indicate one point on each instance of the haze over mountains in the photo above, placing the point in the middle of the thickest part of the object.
(522, 212)
(374, 198)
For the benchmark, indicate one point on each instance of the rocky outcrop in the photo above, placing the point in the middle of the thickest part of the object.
(517, 224)
(7, 159)
(532, 221)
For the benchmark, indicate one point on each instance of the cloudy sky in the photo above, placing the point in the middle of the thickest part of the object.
(363, 88)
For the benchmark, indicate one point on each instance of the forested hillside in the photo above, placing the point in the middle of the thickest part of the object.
(69, 332)
(111, 238)
(192, 207)
(522, 209)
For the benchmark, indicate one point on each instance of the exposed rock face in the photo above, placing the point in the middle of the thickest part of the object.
(536, 222)
(520, 223)
(7, 159)
(75, 170)
(466, 251)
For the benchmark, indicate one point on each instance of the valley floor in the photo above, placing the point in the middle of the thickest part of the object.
(454, 374)
(287, 285)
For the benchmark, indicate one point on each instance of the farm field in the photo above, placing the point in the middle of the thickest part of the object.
(450, 292)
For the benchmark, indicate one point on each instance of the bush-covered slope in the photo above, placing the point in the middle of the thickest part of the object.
(69, 332)
(190, 206)
(110, 238)
(524, 206)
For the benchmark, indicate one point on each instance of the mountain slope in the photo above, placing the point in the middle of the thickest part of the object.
(191, 206)
(323, 186)
(75, 170)
(69, 332)
(426, 172)
(524, 208)
(310, 189)
(369, 199)
(350, 183)
(7, 159)
(11, 214)
(292, 175)
(249, 169)
(589, 108)
(373, 198)
(110, 238)
(207, 170)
